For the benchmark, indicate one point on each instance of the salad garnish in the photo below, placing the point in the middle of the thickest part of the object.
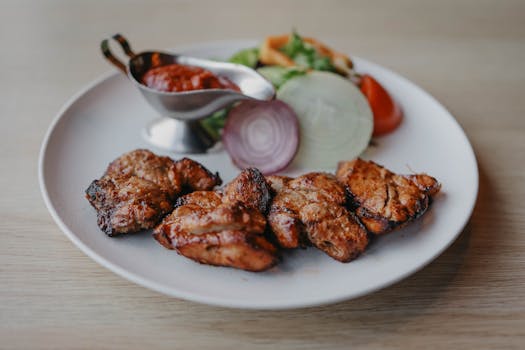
(338, 109)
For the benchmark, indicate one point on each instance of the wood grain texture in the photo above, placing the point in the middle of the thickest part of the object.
(468, 54)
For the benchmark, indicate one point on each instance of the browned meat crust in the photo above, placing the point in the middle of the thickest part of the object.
(277, 182)
(139, 188)
(227, 227)
(238, 249)
(148, 166)
(127, 203)
(195, 177)
(222, 228)
(251, 188)
(311, 209)
(382, 200)
(174, 177)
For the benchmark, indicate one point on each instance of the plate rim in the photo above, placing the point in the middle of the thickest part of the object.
(219, 301)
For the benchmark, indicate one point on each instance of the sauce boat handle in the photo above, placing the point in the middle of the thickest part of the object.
(106, 51)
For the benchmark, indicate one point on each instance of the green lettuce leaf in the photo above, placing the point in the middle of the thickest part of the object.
(246, 57)
(214, 123)
(305, 55)
(278, 75)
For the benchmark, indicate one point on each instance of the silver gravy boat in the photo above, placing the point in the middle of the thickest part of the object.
(179, 129)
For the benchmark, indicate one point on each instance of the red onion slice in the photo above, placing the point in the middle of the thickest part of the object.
(264, 135)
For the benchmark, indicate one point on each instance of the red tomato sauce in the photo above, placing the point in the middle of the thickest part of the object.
(177, 78)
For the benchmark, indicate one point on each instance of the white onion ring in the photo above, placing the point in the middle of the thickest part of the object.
(264, 135)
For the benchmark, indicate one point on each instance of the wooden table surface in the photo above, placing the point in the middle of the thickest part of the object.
(469, 54)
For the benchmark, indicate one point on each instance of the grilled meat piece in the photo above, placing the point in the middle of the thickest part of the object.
(222, 228)
(139, 188)
(249, 187)
(127, 203)
(173, 177)
(195, 177)
(277, 182)
(204, 211)
(148, 166)
(382, 200)
(230, 248)
(427, 184)
(310, 209)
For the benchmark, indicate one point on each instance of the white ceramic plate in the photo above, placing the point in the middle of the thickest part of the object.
(105, 119)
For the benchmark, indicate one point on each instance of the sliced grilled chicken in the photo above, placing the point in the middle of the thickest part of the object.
(383, 200)
(139, 188)
(127, 203)
(310, 209)
(223, 228)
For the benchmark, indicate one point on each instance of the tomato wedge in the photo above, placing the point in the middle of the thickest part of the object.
(387, 113)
